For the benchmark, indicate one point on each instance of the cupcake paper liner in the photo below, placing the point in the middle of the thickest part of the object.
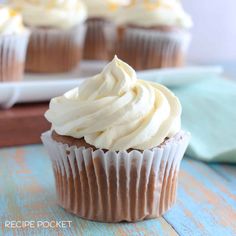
(116, 186)
(55, 50)
(149, 48)
(12, 56)
(95, 47)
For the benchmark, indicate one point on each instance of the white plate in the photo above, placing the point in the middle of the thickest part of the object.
(43, 87)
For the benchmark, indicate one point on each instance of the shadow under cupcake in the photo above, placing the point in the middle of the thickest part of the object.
(116, 146)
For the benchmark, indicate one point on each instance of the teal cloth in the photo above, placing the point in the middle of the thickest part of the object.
(209, 113)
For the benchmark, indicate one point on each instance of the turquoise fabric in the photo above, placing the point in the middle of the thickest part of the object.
(209, 113)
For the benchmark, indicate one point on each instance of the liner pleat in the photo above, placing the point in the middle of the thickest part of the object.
(95, 47)
(116, 186)
(12, 56)
(148, 48)
(55, 50)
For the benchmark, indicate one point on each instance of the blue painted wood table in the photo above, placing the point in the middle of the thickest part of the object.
(206, 202)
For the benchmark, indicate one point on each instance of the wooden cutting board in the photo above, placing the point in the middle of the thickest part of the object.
(23, 124)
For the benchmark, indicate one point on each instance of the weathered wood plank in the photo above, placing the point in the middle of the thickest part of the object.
(27, 193)
(206, 202)
(228, 172)
(23, 118)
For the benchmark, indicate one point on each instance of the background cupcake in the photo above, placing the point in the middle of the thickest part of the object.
(99, 15)
(152, 34)
(58, 32)
(116, 146)
(13, 43)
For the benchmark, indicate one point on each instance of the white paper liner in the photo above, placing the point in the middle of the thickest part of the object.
(54, 50)
(116, 186)
(148, 48)
(12, 56)
(95, 47)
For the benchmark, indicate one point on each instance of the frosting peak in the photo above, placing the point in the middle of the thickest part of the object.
(116, 111)
(115, 79)
(10, 21)
(51, 13)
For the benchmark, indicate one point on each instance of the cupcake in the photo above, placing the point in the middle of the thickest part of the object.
(116, 146)
(13, 43)
(99, 16)
(58, 32)
(151, 34)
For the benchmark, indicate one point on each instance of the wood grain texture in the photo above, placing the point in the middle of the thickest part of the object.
(28, 193)
(23, 124)
(206, 202)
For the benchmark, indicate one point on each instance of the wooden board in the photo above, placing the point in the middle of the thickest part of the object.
(206, 202)
(23, 124)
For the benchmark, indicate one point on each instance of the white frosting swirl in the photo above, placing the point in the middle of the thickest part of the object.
(10, 21)
(116, 111)
(154, 13)
(51, 13)
(101, 8)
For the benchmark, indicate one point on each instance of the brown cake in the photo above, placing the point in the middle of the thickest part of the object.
(87, 189)
(149, 52)
(149, 34)
(100, 15)
(53, 51)
(57, 34)
(95, 47)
